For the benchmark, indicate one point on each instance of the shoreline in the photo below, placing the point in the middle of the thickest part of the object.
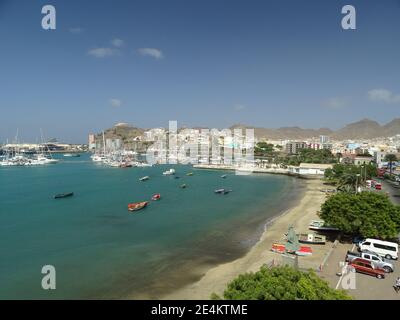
(216, 278)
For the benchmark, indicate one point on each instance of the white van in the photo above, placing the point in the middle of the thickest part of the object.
(388, 250)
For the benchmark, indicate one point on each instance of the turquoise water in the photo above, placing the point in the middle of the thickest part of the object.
(100, 250)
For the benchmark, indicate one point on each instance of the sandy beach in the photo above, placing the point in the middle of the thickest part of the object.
(216, 279)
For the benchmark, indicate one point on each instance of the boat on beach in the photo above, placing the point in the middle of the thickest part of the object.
(281, 248)
(319, 225)
(144, 178)
(156, 197)
(292, 245)
(311, 238)
(63, 195)
(135, 206)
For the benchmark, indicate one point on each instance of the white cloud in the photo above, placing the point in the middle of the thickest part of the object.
(151, 52)
(117, 42)
(383, 95)
(76, 30)
(102, 52)
(115, 102)
(335, 103)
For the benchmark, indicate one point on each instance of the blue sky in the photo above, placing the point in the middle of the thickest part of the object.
(203, 63)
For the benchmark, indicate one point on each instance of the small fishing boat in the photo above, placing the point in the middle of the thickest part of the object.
(189, 174)
(169, 172)
(156, 197)
(74, 155)
(311, 238)
(281, 248)
(183, 186)
(319, 225)
(144, 178)
(223, 176)
(63, 195)
(137, 205)
(222, 191)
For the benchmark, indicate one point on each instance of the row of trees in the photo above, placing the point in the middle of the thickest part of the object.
(274, 154)
(281, 283)
(368, 214)
(348, 176)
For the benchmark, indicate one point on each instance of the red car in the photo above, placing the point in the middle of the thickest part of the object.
(364, 266)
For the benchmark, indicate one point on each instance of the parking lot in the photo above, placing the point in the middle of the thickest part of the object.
(366, 287)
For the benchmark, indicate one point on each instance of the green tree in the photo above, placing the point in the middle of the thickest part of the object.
(367, 214)
(390, 158)
(281, 283)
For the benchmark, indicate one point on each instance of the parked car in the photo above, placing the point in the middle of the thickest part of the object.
(357, 239)
(386, 249)
(367, 267)
(376, 260)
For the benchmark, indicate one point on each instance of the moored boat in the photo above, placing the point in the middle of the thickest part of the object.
(169, 172)
(74, 155)
(135, 206)
(63, 195)
(189, 174)
(183, 186)
(222, 191)
(223, 176)
(144, 178)
(156, 197)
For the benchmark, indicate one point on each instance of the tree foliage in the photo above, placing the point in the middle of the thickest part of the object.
(368, 214)
(281, 283)
(390, 158)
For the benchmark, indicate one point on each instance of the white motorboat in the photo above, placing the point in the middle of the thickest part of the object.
(169, 172)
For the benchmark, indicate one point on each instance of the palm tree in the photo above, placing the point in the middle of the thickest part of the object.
(390, 158)
(348, 182)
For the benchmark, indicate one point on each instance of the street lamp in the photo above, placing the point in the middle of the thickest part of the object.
(357, 175)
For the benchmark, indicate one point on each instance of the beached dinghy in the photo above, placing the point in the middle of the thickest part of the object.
(63, 195)
(311, 238)
(319, 225)
(302, 251)
(137, 205)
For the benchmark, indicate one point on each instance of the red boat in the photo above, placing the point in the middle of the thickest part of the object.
(303, 251)
(137, 205)
(156, 197)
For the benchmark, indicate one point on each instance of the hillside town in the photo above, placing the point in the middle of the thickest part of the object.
(271, 154)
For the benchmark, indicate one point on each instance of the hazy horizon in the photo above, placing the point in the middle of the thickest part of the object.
(214, 64)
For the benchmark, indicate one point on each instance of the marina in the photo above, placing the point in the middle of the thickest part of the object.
(94, 231)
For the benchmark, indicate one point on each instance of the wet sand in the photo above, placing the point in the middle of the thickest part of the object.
(217, 278)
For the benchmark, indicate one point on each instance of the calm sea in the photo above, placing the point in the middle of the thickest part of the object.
(100, 250)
